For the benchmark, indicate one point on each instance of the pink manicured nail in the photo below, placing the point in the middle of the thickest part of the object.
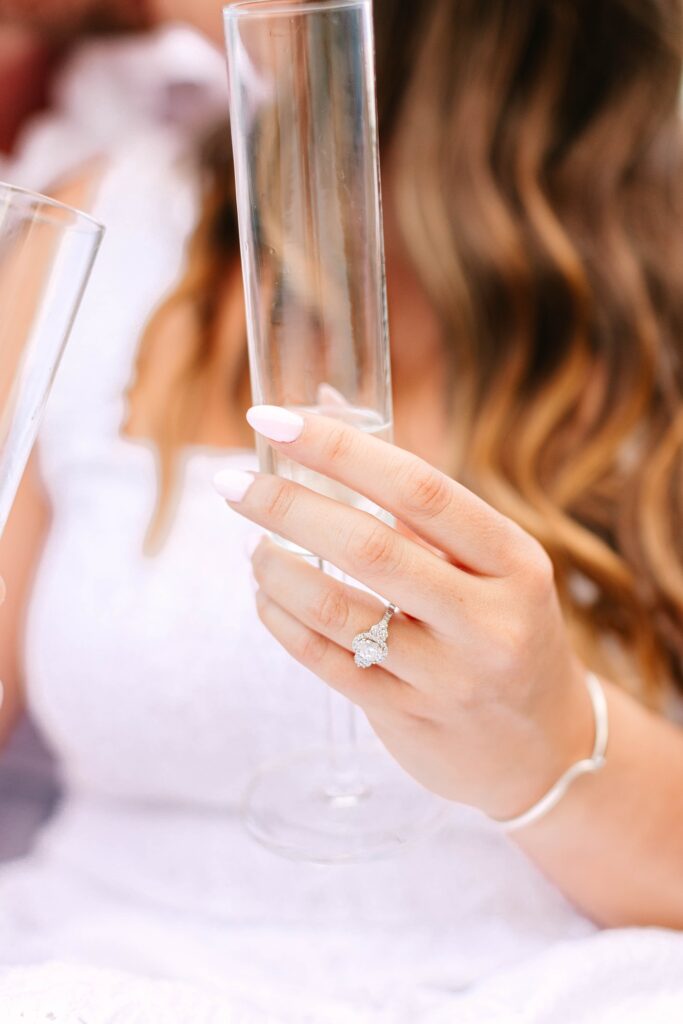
(275, 423)
(232, 484)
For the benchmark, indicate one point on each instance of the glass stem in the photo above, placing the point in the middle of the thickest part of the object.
(345, 778)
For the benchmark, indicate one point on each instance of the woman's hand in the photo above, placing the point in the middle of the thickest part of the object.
(481, 697)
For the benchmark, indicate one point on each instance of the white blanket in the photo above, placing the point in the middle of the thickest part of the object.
(629, 976)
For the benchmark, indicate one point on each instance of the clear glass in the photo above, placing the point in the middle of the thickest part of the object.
(304, 129)
(47, 251)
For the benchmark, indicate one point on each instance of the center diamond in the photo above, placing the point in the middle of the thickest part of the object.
(369, 651)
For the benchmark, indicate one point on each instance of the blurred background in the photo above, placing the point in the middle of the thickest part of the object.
(79, 81)
(29, 61)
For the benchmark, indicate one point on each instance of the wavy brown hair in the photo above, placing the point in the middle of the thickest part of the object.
(544, 218)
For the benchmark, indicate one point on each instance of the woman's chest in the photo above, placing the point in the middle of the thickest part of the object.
(153, 677)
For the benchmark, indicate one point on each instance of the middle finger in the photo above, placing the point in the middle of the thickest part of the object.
(364, 548)
(339, 611)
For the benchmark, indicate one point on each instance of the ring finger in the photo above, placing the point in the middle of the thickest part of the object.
(338, 611)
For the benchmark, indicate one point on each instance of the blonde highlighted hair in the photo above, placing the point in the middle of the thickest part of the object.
(537, 173)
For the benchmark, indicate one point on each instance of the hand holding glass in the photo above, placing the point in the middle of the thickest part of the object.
(304, 129)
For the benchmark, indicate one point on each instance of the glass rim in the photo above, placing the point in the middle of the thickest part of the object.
(81, 220)
(273, 8)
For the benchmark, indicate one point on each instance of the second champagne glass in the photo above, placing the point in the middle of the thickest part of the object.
(47, 251)
(304, 128)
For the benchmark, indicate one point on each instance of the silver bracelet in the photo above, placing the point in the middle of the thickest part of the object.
(588, 765)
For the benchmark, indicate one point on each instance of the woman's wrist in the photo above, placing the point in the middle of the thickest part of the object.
(590, 791)
(564, 735)
(614, 843)
(585, 765)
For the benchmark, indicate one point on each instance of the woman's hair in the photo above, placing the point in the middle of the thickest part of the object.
(543, 216)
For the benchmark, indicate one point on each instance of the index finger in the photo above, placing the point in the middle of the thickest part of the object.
(438, 508)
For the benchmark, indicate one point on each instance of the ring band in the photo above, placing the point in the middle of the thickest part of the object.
(370, 647)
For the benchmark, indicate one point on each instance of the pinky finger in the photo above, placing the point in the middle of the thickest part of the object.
(372, 689)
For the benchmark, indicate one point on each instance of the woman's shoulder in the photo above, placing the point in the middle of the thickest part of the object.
(115, 94)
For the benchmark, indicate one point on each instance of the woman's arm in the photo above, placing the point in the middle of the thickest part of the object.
(480, 697)
(19, 550)
(614, 843)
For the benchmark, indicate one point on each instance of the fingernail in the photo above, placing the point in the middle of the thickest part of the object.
(232, 484)
(329, 396)
(275, 423)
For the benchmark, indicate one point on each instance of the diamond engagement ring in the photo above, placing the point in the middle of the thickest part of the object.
(370, 648)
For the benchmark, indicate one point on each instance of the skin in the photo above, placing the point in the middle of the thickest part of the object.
(482, 698)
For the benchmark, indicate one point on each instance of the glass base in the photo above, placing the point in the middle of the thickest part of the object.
(305, 810)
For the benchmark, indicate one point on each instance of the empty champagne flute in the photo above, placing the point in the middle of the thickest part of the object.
(47, 250)
(304, 129)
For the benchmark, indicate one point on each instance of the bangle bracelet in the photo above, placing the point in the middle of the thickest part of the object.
(587, 766)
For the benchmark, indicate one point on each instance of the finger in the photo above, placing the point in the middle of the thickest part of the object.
(364, 548)
(339, 611)
(373, 689)
(441, 510)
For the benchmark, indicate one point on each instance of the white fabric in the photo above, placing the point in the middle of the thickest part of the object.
(110, 92)
(160, 693)
(627, 977)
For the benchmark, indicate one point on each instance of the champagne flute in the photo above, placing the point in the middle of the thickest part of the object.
(304, 128)
(47, 250)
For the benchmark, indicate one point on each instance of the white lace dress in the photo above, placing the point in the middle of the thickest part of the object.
(160, 692)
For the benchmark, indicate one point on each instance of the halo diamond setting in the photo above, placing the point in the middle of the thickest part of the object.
(370, 647)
